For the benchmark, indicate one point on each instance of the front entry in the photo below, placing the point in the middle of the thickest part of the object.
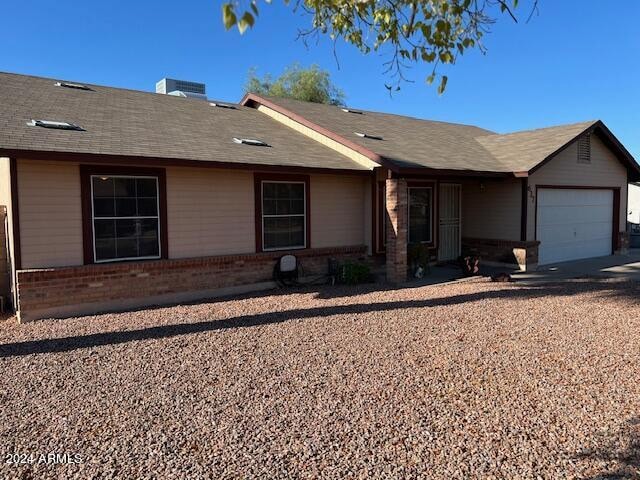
(449, 222)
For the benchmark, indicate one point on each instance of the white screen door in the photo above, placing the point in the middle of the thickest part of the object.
(449, 222)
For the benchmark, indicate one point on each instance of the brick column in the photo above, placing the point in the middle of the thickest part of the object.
(397, 225)
(624, 240)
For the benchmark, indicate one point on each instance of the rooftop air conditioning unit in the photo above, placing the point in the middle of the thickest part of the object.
(181, 88)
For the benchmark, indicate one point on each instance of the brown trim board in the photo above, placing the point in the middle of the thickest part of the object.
(101, 159)
(85, 193)
(524, 208)
(258, 178)
(381, 201)
(15, 213)
(616, 208)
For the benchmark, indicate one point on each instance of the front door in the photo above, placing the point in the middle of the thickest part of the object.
(449, 222)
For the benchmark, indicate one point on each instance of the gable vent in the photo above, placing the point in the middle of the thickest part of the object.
(76, 86)
(584, 148)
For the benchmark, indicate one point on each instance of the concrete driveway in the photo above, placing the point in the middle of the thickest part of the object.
(624, 267)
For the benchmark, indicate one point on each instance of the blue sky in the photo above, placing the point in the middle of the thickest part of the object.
(577, 60)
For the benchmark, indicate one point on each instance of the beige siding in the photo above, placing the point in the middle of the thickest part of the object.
(634, 204)
(491, 209)
(8, 246)
(604, 171)
(337, 210)
(50, 213)
(210, 212)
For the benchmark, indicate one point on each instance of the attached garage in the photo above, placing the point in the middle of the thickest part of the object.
(575, 223)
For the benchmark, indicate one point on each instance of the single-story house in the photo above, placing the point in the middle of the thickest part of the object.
(118, 198)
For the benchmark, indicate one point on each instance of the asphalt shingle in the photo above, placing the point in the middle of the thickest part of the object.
(132, 123)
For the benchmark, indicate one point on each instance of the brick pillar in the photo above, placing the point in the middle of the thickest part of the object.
(397, 225)
(624, 240)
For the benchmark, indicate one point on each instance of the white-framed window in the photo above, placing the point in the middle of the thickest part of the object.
(125, 217)
(420, 214)
(284, 215)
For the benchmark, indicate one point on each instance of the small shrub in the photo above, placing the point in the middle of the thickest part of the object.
(352, 273)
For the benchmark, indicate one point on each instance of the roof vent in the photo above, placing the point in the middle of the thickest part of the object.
(222, 105)
(348, 110)
(366, 135)
(251, 141)
(76, 86)
(55, 125)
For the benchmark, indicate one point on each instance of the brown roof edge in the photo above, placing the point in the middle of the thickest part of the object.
(448, 172)
(168, 162)
(610, 140)
(250, 99)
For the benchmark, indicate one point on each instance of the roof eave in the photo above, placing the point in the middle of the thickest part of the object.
(612, 142)
(87, 157)
(251, 99)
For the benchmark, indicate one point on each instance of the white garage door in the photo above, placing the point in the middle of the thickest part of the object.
(574, 224)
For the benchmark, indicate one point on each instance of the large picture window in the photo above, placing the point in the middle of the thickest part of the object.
(125, 216)
(420, 214)
(284, 213)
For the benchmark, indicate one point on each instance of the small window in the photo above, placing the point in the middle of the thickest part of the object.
(251, 141)
(366, 135)
(283, 215)
(54, 124)
(348, 110)
(584, 149)
(222, 105)
(77, 86)
(125, 218)
(420, 214)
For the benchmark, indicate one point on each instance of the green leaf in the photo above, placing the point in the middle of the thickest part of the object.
(431, 78)
(228, 16)
(245, 22)
(443, 85)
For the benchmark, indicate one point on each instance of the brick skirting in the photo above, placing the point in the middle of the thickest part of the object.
(508, 252)
(68, 291)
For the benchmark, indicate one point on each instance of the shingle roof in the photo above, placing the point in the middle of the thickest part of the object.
(415, 143)
(522, 151)
(406, 142)
(141, 124)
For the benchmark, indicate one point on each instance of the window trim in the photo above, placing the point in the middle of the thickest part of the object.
(137, 217)
(259, 180)
(428, 186)
(86, 188)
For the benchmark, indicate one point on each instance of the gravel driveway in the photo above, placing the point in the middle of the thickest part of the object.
(467, 380)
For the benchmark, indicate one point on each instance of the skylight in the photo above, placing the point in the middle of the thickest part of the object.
(348, 110)
(222, 105)
(53, 124)
(77, 86)
(251, 141)
(366, 135)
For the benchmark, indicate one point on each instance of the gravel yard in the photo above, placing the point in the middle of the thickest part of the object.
(466, 380)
